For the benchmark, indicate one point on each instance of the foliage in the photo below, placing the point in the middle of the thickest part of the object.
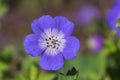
(16, 65)
(84, 67)
(26, 68)
(3, 8)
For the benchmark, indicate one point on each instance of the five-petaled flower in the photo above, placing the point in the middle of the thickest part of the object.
(113, 17)
(52, 41)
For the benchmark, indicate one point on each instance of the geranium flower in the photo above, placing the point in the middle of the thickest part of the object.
(52, 41)
(113, 17)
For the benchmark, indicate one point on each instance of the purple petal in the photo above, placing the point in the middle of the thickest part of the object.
(51, 62)
(87, 14)
(42, 23)
(118, 32)
(95, 43)
(71, 49)
(112, 16)
(31, 45)
(64, 25)
(116, 4)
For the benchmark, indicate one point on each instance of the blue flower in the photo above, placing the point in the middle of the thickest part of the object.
(113, 15)
(52, 41)
(95, 43)
(87, 14)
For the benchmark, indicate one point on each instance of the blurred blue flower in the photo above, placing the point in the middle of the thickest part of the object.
(113, 17)
(52, 41)
(87, 14)
(95, 43)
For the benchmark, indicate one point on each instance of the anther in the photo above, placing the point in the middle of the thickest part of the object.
(46, 39)
(53, 46)
(52, 36)
(49, 38)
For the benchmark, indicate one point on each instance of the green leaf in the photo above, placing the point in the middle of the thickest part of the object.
(33, 72)
(1, 75)
(118, 23)
(89, 67)
(69, 65)
(72, 72)
(62, 77)
(3, 8)
(46, 76)
(29, 61)
(7, 50)
(22, 51)
(119, 44)
(20, 76)
(7, 53)
(3, 66)
(110, 46)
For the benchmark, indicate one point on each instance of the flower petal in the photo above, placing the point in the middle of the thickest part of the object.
(42, 23)
(112, 16)
(31, 45)
(118, 32)
(72, 47)
(116, 4)
(64, 25)
(51, 62)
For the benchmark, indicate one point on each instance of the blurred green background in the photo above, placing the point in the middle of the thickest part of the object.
(15, 23)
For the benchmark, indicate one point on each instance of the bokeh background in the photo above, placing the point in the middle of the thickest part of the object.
(98, 59)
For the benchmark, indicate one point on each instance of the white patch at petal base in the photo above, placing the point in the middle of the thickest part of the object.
(52, 41)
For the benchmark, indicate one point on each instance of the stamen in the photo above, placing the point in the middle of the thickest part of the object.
(53, 41)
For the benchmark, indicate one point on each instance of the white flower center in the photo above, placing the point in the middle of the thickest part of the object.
(52, 41)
